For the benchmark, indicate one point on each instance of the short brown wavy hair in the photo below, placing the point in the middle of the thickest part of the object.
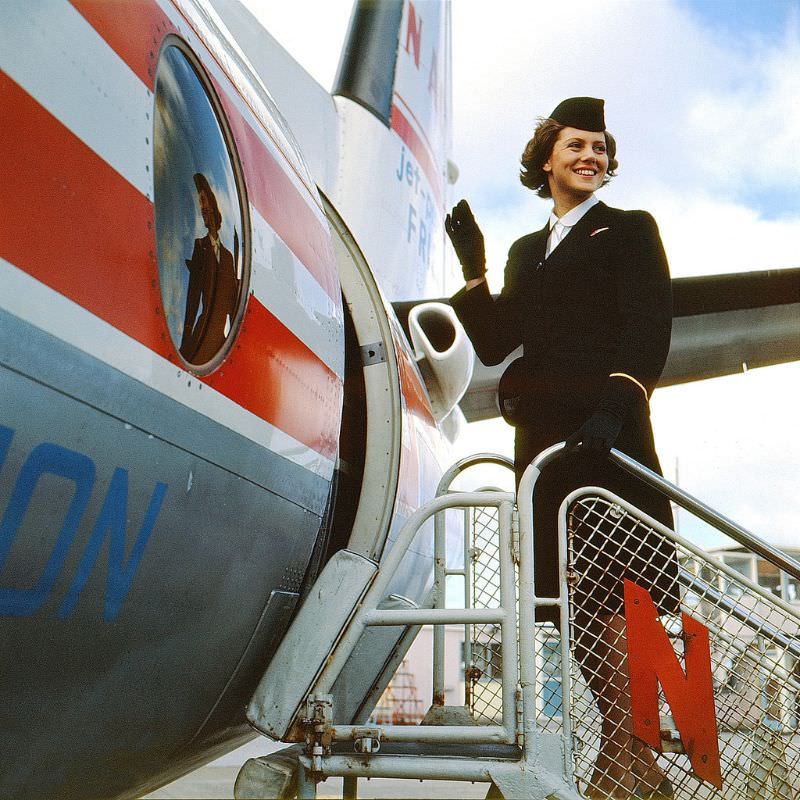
(204, 187)
(540, 148)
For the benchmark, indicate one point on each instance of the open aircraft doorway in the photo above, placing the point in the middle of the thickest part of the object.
(372, 422)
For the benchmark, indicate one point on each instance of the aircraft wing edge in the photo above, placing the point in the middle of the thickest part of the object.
(722, 325)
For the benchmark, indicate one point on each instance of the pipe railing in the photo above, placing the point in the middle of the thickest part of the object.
(682, 498)
(441, 571)
(370, 615)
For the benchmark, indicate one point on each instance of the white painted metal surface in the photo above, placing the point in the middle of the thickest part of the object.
(309, 641)
(94, 80)
(447, 370)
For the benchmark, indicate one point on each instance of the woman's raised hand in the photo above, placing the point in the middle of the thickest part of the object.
(467, 240)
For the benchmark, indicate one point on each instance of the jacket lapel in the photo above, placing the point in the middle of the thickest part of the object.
(539, 245)
(577, 237)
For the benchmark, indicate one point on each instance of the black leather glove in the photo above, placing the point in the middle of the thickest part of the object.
(467, 240)
(600, 432)
(597, 435)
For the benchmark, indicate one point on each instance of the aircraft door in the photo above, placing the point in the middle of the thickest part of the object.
(372, 420)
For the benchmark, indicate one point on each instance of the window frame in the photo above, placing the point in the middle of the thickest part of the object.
(229, 140)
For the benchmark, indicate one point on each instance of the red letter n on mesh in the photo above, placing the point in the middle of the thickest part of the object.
(652, 660)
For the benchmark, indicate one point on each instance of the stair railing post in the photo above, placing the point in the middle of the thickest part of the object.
(440, 601)
(508, 626)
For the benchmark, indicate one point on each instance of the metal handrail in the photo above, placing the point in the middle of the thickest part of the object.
(748, 540)
(533, 740)
(440, 570)
(368, 615)
(471, 461)
(707, 592)
(541, 764)
(528, 599)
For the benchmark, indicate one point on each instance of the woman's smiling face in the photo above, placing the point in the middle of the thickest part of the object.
(577, 165)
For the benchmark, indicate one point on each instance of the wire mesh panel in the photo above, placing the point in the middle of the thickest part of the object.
(483, 674)
(755, 662)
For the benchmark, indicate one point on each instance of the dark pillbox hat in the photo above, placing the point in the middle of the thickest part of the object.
(584, 113)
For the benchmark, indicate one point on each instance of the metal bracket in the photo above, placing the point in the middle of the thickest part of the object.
(373, 353)
(319, 725)
(319, 712)
(367, 745)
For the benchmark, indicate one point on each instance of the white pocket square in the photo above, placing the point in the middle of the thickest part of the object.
(599, 230)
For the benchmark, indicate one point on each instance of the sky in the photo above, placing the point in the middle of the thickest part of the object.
(703, 97)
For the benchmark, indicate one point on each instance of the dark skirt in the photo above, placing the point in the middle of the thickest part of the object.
(605, 551)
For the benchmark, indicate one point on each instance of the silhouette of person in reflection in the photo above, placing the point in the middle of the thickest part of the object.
(213, 285)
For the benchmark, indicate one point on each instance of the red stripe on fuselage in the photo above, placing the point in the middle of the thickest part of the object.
(403, 128)
(413, 391)
(275, 376)
(280, 203)
(75, 224)
(269, 187)
(134, 30)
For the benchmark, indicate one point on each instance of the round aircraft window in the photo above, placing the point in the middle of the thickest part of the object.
(200, 214)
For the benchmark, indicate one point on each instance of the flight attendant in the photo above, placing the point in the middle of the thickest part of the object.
(213, 287)
(589, 299)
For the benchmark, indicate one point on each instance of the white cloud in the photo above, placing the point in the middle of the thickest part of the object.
(736, 441)
(701, 122)
(706, 235)
(751, 130)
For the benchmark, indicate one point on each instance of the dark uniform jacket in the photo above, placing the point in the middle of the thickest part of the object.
(600, 304)
(214, 290)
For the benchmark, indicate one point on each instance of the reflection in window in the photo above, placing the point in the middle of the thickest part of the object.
(199, 220)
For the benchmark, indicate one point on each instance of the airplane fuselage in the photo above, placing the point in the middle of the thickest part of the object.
(173, 384)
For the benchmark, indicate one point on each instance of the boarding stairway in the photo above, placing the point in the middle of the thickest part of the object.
(530, 727)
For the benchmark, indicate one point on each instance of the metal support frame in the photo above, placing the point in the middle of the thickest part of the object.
(685, 500)
(761, 754)
(440, 569)
(546, 766)
(369, 615)
(542, 768)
